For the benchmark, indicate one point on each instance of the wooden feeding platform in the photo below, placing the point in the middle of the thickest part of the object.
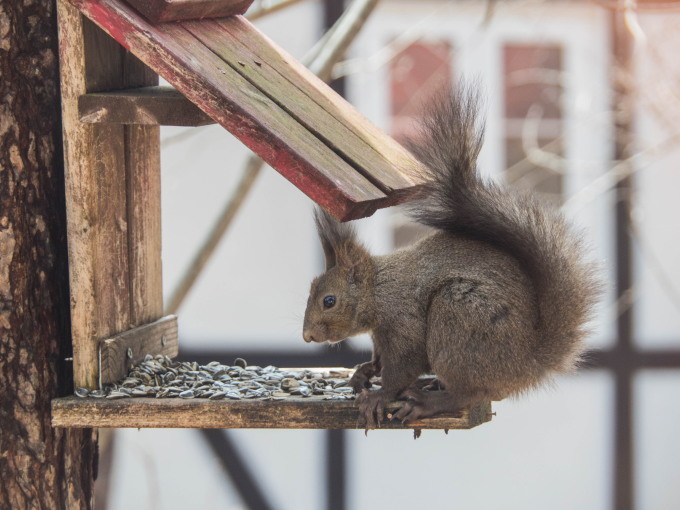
(159, 392)
(222, 70)
(291, 413)
(189, 395)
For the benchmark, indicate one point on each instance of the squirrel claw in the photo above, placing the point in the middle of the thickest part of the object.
(410, 411)
(371, 409)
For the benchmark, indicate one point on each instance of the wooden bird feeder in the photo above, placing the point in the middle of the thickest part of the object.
(222, 70)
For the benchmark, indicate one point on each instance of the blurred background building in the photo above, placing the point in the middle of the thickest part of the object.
(582, 103)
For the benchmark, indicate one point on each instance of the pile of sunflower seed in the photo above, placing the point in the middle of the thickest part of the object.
(162, 377)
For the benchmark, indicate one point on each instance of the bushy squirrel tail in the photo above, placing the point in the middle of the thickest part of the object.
(458, 200)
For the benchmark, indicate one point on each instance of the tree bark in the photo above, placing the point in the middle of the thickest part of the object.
(40, 467)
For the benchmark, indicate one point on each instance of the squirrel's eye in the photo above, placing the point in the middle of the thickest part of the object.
(329, 302)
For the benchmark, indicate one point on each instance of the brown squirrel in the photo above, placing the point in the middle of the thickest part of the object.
(494, 302)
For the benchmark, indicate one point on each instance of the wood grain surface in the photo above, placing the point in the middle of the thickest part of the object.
(291, 413)
(118, 353)
(160, 11)
(284, 114)
(159, 106)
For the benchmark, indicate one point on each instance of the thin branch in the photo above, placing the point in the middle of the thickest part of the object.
(618, 172)
(268, 8)
(342, 34)
(385, 55)
(645, 7)
(535, 154)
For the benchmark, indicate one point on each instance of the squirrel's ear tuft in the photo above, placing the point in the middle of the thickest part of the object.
(355, 262)
(335, 237)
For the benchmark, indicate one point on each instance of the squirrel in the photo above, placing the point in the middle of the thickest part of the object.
(494, 302)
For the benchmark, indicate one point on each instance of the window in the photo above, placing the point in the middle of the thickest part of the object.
(415, 74)
(533, 116)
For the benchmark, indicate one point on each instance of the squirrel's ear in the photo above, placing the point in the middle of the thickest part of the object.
(355, 262)
(333, 235)
(328, 253)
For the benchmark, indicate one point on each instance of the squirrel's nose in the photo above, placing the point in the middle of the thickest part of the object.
(307, 335)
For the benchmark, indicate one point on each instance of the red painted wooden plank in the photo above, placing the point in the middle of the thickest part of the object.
(159, 11)
(406, 170)
(241, 108)
(337, 123)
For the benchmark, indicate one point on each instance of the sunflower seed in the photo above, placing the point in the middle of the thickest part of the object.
(161, 377)
(82, 392)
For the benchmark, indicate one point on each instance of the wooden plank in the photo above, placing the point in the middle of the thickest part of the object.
(118, 353)
(241, 108)
(291, 413)
(99, 162)
(97, 238)
(143, 200)
(142, 146)
(406, 167)
(159, 11)
(159, 106)
(313, 104)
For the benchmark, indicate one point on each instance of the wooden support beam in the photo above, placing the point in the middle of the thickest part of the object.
(118, 353)
(160, 11)
(153, 106)
(309, 160)
(374, 154)
(293, 412)
(112, 194)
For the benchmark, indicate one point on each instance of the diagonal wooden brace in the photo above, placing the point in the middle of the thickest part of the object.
(118, 353)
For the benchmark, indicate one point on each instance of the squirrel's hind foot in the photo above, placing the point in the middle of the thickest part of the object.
(425, 404)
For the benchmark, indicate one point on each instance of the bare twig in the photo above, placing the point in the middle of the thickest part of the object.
(341, 36)
(660, 7)
(270, 8)
(618, 172)
(386, 54)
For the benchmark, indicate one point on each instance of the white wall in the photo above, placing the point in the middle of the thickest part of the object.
(656, 206)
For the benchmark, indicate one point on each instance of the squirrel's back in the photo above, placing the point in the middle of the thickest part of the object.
(459, 201)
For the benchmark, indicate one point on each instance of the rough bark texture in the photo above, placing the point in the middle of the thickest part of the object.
(40, 467)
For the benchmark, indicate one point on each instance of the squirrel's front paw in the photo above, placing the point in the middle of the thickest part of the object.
(361, 379)
(371, 409)
(359, 382)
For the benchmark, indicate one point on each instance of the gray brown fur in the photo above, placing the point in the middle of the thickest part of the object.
(494, 302)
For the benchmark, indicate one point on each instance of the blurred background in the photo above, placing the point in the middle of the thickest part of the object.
(582, 103)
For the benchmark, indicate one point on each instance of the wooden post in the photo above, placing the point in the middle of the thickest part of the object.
(112, 194)
(40, 466)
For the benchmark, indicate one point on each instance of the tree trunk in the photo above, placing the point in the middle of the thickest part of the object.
(40, 467)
